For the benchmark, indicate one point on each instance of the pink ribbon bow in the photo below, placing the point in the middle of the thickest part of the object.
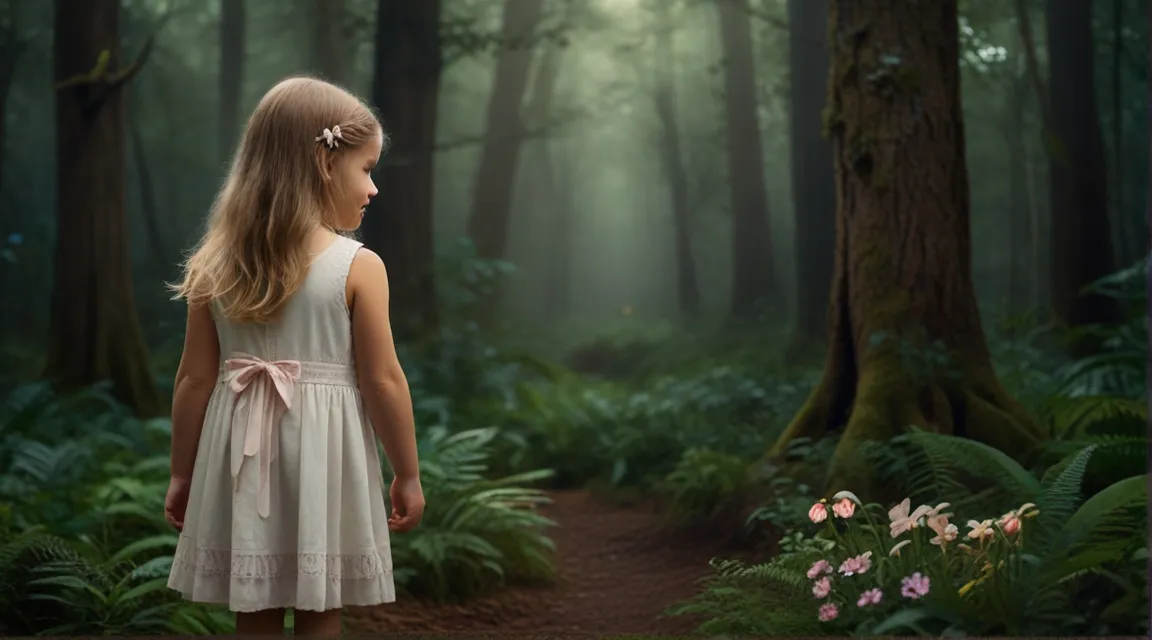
(263, 394)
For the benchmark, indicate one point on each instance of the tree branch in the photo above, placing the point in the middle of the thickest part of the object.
(105, 82)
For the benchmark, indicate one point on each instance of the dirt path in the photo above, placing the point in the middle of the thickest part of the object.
(618, 571)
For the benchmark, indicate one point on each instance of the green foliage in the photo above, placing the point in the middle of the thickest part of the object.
(477, 532)
(85, 549)
(1059, 565)
(1068, 555)
(704, 482)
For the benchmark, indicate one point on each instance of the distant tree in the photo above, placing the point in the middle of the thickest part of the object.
(672, 162)
(906, 347)
(1082, 249)
(329, 50)
(94, 333)
(398, 224)
(492, 190)
(233, 25)
(813, 188)
(753, 270)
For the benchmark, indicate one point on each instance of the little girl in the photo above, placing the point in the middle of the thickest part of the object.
(276, 487)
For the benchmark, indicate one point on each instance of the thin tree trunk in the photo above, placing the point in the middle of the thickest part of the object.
(672, 161)
(813, 185)
(555, 254)
(1020, 238)
(496, 171)
(903, 267)
(1120, 216)
(232, 52)
(398, 225)
(1082, 249)
(330, 55)
(148, 205)
(94, 331)
(753, 271)
(10, 53)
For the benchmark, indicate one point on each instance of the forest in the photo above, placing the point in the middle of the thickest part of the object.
(841, 330)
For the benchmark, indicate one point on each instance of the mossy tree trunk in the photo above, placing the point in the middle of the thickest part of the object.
(94, 334)
(398, 224)
(902, 285)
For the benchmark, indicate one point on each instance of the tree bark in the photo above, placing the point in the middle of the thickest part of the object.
(753, 271)
(902, 283)
(1081, 240)
(398, 224)
(329, 51)
(672, 161)
(232, 45)
(813, 186)
(94, 331)
(496, 171)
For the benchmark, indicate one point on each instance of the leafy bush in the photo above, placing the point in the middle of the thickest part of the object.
(1050, 564)
(85, 550)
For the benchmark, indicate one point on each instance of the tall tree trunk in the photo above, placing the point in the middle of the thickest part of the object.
(813, 186)
(672, 161)
(552, 194)
(1019, 201)
(753, 271)
(1120, 227)
(94, 333)
(232, 47)
(329, 50)
(1081, 240)
(148, 205)
(496, 171)
(903, 272)
(10, 52)
(398, 225)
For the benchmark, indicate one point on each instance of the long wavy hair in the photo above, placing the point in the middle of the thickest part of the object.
(281, 185)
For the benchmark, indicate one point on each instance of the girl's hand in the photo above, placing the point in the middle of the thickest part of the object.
(407, 504)
(176, 502)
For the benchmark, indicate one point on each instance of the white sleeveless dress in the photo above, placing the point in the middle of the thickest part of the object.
(286, 507)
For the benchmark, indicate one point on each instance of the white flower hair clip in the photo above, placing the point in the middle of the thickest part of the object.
(329, 136)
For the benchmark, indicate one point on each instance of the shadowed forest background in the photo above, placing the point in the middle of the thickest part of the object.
(666, 275)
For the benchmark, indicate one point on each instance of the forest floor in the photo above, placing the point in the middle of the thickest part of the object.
(619, 567)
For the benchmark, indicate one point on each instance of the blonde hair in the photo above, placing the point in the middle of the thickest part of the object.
(253, 256)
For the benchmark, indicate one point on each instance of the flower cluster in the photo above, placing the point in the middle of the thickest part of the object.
(840, 585)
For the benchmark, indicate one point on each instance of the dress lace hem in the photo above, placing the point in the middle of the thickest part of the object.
(266, 565)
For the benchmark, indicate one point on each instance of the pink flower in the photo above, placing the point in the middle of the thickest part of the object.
(828, 611)
(822, 588)
(859, 564)
(821, 566)
(844, 508)
(871, 596)
(915, 586)
(1010, 525)
(818, 513)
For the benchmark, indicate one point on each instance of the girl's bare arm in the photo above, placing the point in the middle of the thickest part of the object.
(383, 384)
(195, 380)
